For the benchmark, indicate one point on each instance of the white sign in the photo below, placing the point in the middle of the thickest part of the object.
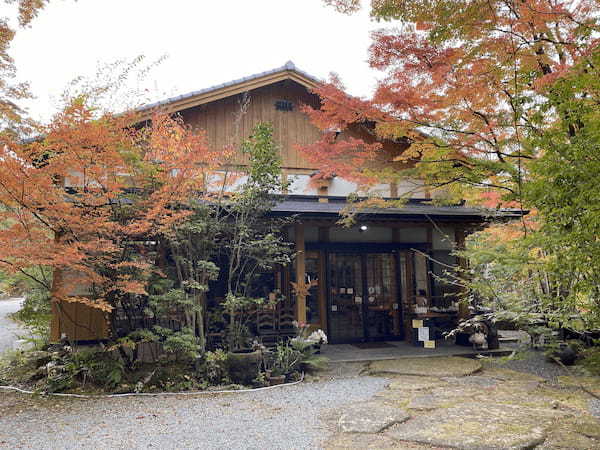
(423, 333)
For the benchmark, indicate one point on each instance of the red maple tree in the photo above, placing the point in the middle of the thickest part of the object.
(465, 84)
(84, 199)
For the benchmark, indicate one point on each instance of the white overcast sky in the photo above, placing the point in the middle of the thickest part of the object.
(206, 43)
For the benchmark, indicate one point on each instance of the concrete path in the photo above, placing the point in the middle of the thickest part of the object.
(8, 328)
(346, 353)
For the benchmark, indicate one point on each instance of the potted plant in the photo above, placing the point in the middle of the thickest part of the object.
(273, 367)
(286, 361)
(243, 361)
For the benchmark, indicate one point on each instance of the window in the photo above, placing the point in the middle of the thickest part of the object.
(284, 105)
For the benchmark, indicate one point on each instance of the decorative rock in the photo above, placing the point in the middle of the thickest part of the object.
(370, 417)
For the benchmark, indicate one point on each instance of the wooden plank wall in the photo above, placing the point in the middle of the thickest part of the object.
(218, 119)
(79, 322)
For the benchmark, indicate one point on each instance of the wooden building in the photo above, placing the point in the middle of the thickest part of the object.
(366, 282)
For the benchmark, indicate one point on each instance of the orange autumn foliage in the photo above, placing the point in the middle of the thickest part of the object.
(464, 83)
(84, 199)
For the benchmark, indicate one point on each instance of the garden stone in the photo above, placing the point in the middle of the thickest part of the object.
(450, 366)
(369, 417)
(478, 426)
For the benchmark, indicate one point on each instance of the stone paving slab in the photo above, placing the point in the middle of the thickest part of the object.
(479, 426)
(345, 441)
(414, 383)
(369, 417)
(569, 440)
(427, 367)
(472, 380)
(447, 396)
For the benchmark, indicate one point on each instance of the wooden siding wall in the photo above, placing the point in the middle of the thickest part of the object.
(218, 119)
(79, 322)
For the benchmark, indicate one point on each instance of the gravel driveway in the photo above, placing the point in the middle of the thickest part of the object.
(282, 418)
(8, 328)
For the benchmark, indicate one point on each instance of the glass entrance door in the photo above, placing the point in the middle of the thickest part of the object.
(364, 297)
(382, 307)
(345, 297)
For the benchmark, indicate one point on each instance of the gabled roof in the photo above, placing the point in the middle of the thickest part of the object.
(288, 71)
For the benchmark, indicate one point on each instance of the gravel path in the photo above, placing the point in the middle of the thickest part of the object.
(8, 328)
(535, 362)
(284, 418)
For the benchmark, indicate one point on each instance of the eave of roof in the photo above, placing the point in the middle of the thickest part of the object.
(288, 71)
(413, 209)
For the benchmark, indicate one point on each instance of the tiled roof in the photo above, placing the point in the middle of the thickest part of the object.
(287, 66)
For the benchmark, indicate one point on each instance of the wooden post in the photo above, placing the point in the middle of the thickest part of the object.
(55, 308)
(459, 234)
(300, 273)
(55, 321)
(323, 191)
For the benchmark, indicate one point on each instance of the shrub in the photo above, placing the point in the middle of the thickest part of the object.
(99, 368)
(309, 359)
(214, 368)
(591, 360)
(183, 345)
